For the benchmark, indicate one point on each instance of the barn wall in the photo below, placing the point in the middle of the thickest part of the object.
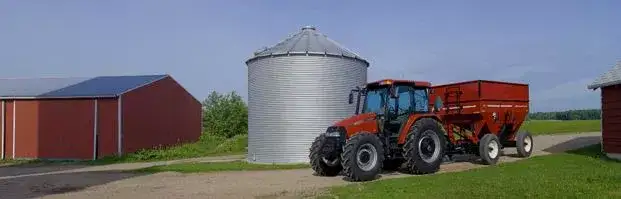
(8, 122)
(611, 119)
(26, 129)
(162, 113)
(65, 128)
(107, 127)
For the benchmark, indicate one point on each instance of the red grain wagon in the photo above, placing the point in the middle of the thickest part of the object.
(474, 109)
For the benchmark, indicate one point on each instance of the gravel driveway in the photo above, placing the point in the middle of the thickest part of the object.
(105, 182)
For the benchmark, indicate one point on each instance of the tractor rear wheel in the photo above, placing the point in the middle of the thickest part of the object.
(321, 162)
(524, 144)
(489, 149)
(425, 146)
(363, 157)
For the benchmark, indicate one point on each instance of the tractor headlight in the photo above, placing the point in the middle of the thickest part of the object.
(333, 134)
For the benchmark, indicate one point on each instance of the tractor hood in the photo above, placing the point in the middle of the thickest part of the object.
(355, 119)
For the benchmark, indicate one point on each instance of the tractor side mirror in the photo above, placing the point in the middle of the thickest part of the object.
(437, 104)
(351, 98)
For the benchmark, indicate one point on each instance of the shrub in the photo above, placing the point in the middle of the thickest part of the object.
(225, 115)
(237, 143)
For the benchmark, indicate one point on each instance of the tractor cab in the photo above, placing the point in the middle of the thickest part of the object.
(392, 101)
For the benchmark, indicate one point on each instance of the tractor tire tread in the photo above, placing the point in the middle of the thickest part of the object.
(414, 164)
(348, 157)
(315, 156)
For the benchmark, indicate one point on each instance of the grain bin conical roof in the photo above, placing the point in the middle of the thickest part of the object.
(308, 41)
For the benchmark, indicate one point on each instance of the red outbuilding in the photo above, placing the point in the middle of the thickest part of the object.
(610, 85)
(89, 118)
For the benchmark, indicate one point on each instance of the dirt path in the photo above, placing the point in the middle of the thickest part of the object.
(102, 183)
(8, 172)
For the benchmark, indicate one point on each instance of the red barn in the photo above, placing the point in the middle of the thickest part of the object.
(89, 118)
(609, 83)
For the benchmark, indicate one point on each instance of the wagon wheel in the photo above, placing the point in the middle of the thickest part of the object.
(490, 149)
(524, 144)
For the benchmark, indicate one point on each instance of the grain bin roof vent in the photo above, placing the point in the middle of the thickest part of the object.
(308, 41)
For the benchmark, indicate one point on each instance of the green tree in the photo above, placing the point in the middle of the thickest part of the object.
(585, 114)
(225, 115)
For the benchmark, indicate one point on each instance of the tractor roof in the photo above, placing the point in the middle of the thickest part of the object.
(396, 81)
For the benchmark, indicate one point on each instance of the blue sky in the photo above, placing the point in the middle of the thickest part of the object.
(558, 47)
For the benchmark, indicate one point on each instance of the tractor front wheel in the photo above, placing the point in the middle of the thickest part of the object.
(362, 157)
(424, 147)
(321, 160)
(489, 149)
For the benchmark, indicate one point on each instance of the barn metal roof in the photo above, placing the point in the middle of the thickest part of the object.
(308, 41)
(72, 87)
(611, 77)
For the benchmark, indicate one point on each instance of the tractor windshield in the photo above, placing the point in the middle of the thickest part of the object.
(375, 101)
(410, 100)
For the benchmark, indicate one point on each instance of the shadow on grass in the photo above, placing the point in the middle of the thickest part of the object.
(593, 151)
(49, 184)
(573, 144)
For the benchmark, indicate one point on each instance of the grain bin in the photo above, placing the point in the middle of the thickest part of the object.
(296, 89)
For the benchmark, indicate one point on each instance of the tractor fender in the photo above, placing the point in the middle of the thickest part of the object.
(411, 120)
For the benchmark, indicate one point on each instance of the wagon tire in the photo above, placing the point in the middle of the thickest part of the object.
(318, 152)
(489, 149)
(425, 146)
(363, 157)
(524, 144)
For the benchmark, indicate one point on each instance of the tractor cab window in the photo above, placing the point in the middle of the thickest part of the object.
(411, 99)
(402, 105)
(374, 101)
(421, 99)
(406, 100)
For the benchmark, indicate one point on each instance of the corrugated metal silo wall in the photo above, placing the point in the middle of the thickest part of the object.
(292, 99)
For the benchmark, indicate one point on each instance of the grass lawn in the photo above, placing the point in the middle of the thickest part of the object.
(542, 127)
(206, 146)
(581, 173)
(219, 166)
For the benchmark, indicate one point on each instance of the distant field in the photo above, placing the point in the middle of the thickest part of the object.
(577, 174)
(542, 127)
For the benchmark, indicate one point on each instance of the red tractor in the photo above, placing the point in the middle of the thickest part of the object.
(396, 124)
